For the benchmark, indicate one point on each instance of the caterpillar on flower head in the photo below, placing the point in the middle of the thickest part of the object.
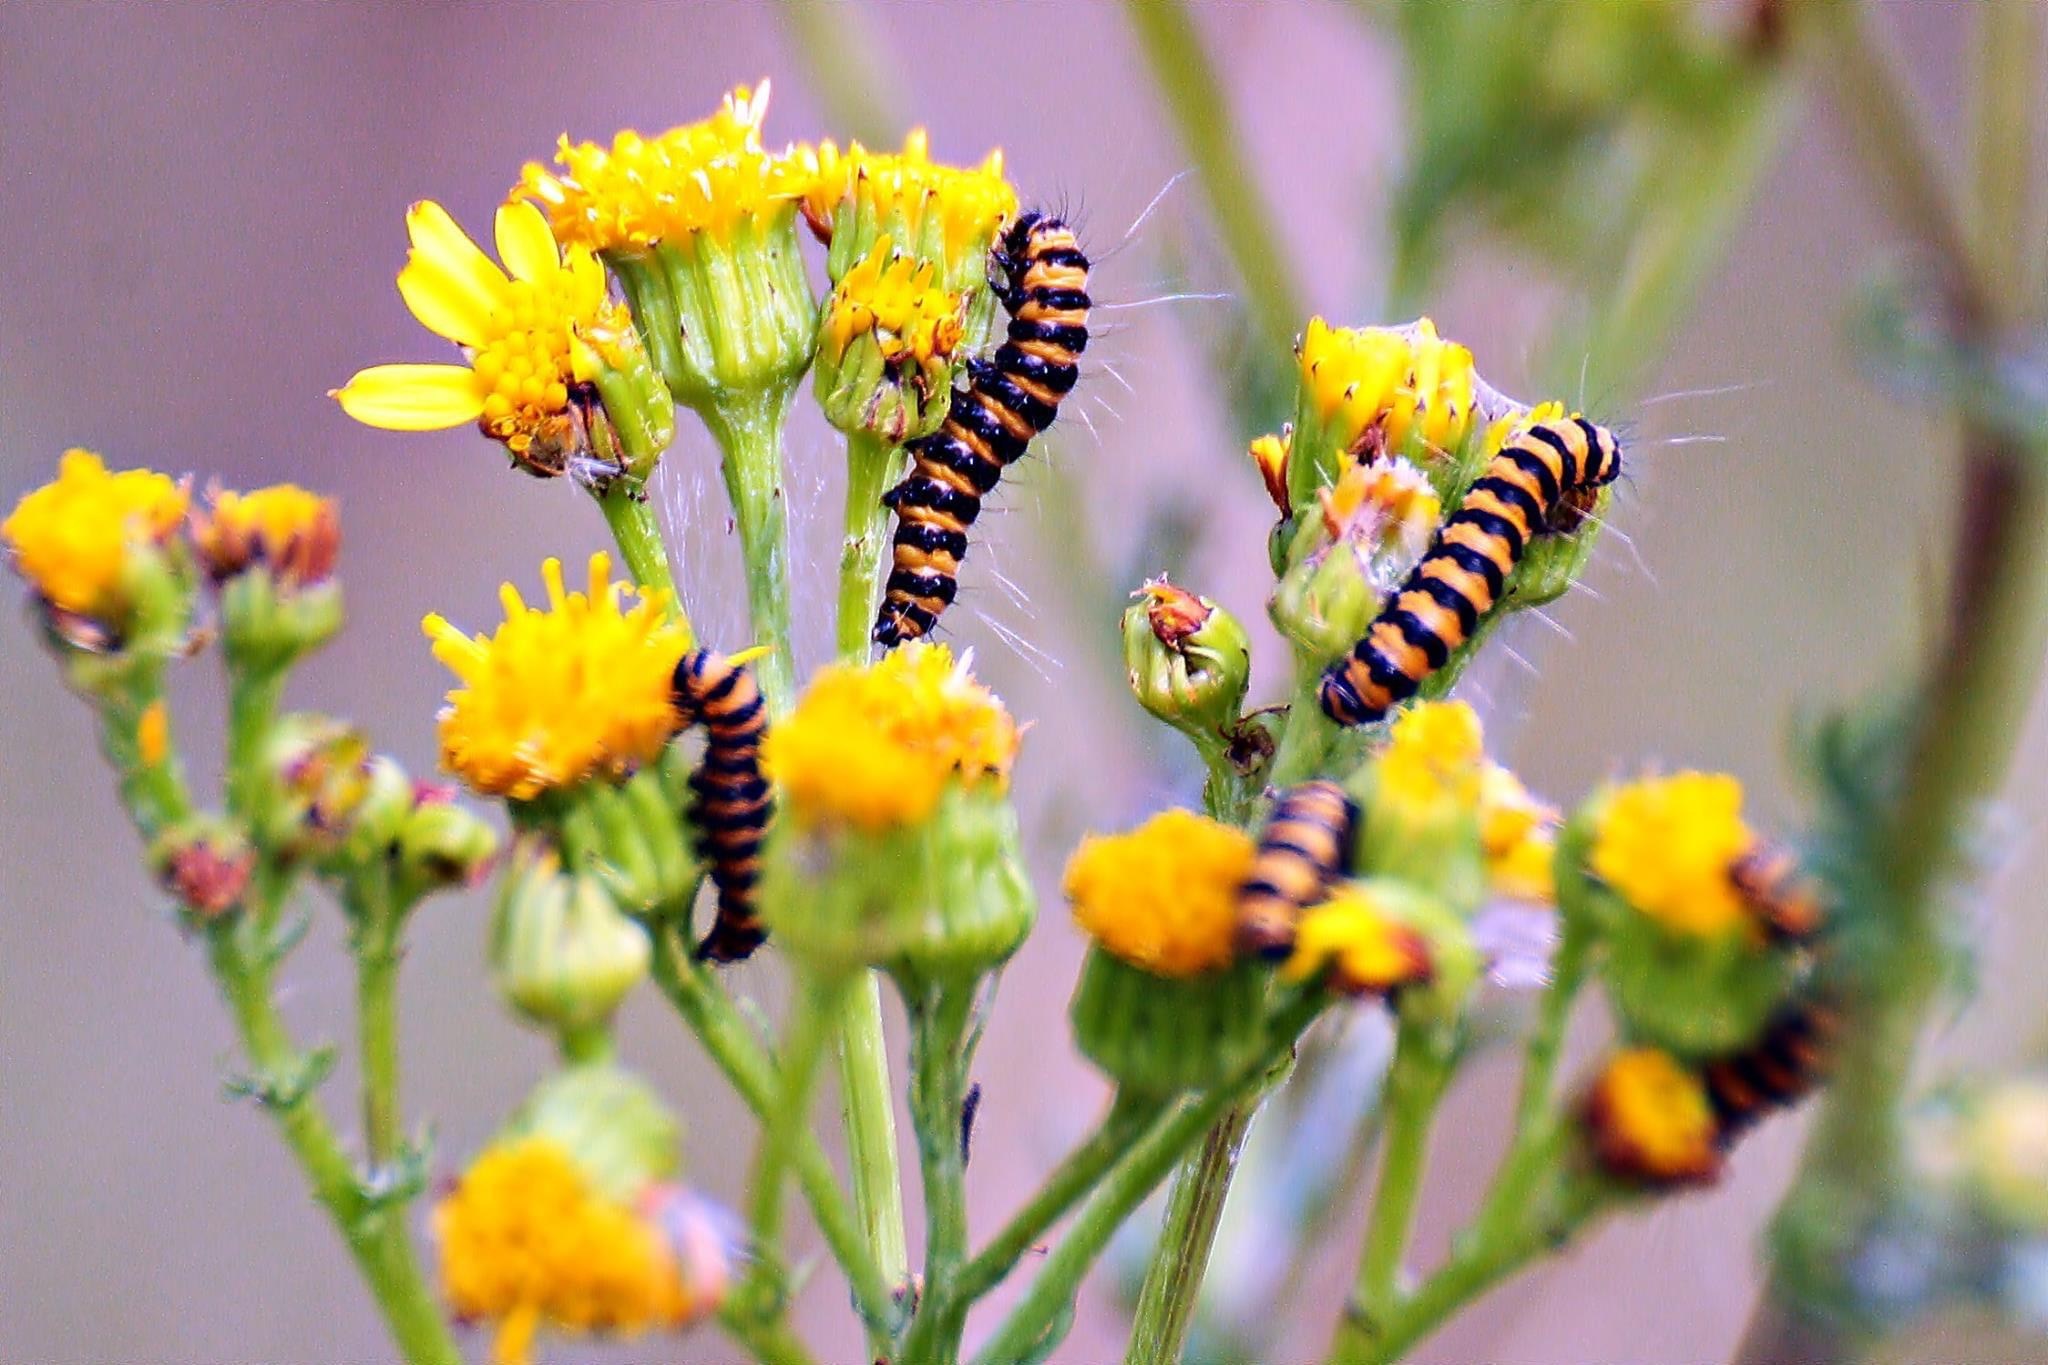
(1778, 1070)
(1786, 901)
(1543, 479)
(1305, 846)
(1041, 278)
(732, 804)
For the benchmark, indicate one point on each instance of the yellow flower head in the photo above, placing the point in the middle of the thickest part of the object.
(1269, 456)
(712, 177)
(1377, 389)
(953, 212)
(296, 534)
(892, 298)
(1519, 835)
(1651, 1120)
(1434, 755)
(74, 538)
(1385, 500)
(555, 696)
(874, 745)
(1163, 897)
(1501, 428)
(1665, 845)
(526, 1242)
(531, 337)
(1367, 950)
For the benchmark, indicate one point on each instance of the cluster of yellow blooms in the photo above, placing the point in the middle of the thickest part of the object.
(892, 297)
(1164, 895)
(873, 746)
(945, 211)
(75, 537)
(1386, 387)
(557, 694)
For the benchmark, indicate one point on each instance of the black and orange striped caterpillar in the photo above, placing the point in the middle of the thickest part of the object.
(732, 804)
(1784, 1065)
(1543, 479)
(1041, 278)
(1787, 903)
(1306, 845)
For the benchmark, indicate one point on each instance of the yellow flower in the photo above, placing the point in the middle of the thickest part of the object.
(951, 213)
(1381, 389)
(525, 1241)
(1163, 897)
(874, 745)
(1434, 755)
(1651, 1119)
(555, 696)
(296, 534)
(74, 538)
(1386, 500)
(710, 177)
(1500, 429)
(531, 337)
(1269, 456)
(153, 734)
(1666, 844)
(1519, 834)
(891, 297)
(1368, 950)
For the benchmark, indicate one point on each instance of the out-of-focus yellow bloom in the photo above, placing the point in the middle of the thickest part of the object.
(579, 689)
(1519, 834)
(1666, 844)
(1368, 950)
(525, 1242)
(1387, 500)
(1434, 754)
(1162, 897)
(1269, 457)
(532, 337)
(948, 213)
(294, 533)
(1379, 389)
(711, 177)
(874, 745)
(153, 734)
(892, 298)
(1651, 1120)
(74, 538)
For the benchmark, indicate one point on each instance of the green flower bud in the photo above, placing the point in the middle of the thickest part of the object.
(631, 835)
(1189, 662)
(612, 1125)
(380, 814)
(630, 418)
(442, 844)
(1369, 530)
(320, 769)
(886, 347)
(1159, 1035)
(1419, 801)
(206, 864)
(562, 953)
(264, 630)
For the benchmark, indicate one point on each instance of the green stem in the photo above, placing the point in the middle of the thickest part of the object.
(1194, 1211)
(784, 1128)
(638, 533)
(871, 1128)
(1076, 1174)
(377, 1025)
(751, 441)
(253, 697)
(375, 1234)
(871, 465)
(939, 1028)
(1305, 737)
(1415, 1085)
(1193, 92)
(152, 786)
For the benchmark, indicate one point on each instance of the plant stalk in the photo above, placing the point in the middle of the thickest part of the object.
(1187, 1237)
(940, 1048)
(637, 531)
(750, 439)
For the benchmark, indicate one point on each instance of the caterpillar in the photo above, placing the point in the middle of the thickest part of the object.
(1306, 844)
(1787, 902)
(1040, 277)
(1778, 1070)
(732, 804)
(1542, 478)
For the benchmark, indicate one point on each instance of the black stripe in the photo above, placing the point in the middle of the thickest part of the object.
(1065, 256)
(1340, 700)
(1447, 596)
(1067, 336)
(1420, 634)
(1510, 492)
(924, 491)
(1059, 300)
(972, 412)
(1532, 464)
(1472, 561)
(1493, 524)
(1601, 449)
(926, 583)
(1382, 673)
(993, 386)
(931, 538)
(1056, 376)
(1574, 473)
(950, 452)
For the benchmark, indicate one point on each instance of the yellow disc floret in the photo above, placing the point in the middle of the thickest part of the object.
(579, 689)
(530, 336)
(292, 531)
(73, 538)
(1378, 389)
(1651, 1119)
(1519, 835)
(954, 211)
(1665, 845)
(525, 1242)
(1367, 950)
(711, 177)
(874, 745)
(1163, 897)
(892, 298)
(1434, 755)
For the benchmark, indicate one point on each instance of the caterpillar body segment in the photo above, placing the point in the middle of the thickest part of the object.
(1040, 276)
(1542, 479)
(1787, 902)
(731, 803)
(1305, 846)
(1781, 1068)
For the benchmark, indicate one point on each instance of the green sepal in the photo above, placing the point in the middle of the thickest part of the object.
(610, 1122)
(561, 952)
(266, 627)
(1159, 1035)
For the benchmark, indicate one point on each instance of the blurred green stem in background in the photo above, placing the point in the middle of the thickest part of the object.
(638, 533)
(850, 73)
(1981, 672)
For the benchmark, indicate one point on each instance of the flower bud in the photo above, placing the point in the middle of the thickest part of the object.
(321, 772)
(1370, 393)
(442, 844)
(283, 530)
(886, 347)
(206, 864)
(380, 813)
(1420, 798)
(613, 1125)
(562, 953)
(266, 626)
(1188, 660)
(1368, 531)
(632, 835)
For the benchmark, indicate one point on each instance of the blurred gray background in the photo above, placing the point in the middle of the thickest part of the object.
(204, 215)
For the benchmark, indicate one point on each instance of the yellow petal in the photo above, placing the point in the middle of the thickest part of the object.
(445, 249)
(524, 243)
(412, 397)
(443, 305)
